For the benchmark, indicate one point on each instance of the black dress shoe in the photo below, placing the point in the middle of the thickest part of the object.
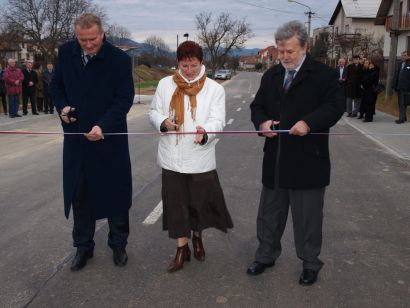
(17, 116)
(80, 260)
(399, 121)
(257, 268)
(35, 113)
(120, 257)
(308, 277)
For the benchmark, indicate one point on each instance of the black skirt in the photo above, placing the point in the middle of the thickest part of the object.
(193, 202)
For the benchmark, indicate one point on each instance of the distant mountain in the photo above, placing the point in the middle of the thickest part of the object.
(140, 49)
(145, 48)
(244, 52)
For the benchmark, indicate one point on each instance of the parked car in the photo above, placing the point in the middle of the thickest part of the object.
(223, 74)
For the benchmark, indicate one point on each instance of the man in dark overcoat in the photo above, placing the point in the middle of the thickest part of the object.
(93, 91)
(29, 88)
(303, 96)
(401, 85)
(354, 76)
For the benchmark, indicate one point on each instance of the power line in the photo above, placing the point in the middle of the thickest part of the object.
(266, 8)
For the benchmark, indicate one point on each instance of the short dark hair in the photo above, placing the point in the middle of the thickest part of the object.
(189, 49)
(356, 57)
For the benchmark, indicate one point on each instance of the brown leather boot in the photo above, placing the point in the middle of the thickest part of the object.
(183, 254)
(199, 251)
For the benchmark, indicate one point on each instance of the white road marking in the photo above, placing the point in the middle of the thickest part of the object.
(239, 109)
(154, 215)
(243, 102)
(238, 96)
(230, 121)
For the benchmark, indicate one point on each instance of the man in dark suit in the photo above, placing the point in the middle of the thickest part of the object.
(93, 91)
(353, 92)
(29, 88)
(402, 86)
(303, 96)
(341, 69)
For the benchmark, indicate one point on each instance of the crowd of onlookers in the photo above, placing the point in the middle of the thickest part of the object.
(361, 81)
(29, 85)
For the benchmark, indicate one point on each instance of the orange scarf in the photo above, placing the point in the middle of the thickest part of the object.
(176, 110)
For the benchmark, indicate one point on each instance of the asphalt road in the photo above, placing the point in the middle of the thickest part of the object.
(366, 246)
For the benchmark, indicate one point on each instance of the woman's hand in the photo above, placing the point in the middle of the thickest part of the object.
(201, 136)
(169, 124)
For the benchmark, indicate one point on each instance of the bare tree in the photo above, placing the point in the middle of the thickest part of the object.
(116, 33)
(46, 23)
(220, 35)
(158, 43)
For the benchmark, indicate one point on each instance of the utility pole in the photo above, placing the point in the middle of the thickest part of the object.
(394, 33)
(309, 14)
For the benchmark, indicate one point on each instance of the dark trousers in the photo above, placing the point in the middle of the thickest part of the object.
(307, 215)
(4, 102)
(402, 95)
(40, 103)
(13, 105)
(33, 103)
(84, 224)
(48, 104)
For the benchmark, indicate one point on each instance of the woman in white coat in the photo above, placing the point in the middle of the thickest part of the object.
(192, 196)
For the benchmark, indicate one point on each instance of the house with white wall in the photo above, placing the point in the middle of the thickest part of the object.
(353, 21)
(384, 18)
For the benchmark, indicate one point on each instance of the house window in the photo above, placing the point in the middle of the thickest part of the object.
(337, 30)
(347, 29)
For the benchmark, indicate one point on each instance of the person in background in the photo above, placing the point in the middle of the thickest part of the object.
(370, 82)
(39, 87)
(353, 82)
(341, 69)
(13, 78)
(192, 196)
(29, 88)
(402, 86)
(48, 74)
(3, 90)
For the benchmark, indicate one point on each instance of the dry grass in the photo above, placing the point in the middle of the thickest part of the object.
(389, 105)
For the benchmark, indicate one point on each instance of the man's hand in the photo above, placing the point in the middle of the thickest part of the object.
(267, 125)
(299, 129)
(65, 116)
(17, 82)
(199, 134)
(95, 134)
(30, 83)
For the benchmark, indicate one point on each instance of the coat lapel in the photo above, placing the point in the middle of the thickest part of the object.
(278, 79)
(304, 72)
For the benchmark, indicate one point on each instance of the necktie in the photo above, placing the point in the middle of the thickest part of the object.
(288, 80)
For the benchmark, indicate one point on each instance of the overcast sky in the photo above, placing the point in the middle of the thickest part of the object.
(167, 18)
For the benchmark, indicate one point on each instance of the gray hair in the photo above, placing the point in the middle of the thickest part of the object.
(291, 29)
(87, 20)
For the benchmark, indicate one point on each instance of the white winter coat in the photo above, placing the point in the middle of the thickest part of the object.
(186, 156)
